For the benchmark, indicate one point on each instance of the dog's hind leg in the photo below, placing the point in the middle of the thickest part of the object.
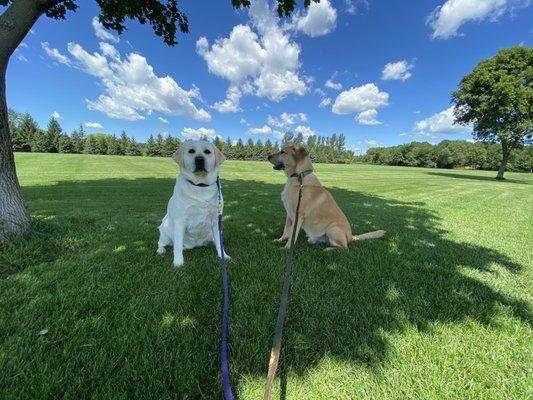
(337, 238)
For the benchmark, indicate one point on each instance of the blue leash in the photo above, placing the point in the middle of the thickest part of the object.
(224, 358)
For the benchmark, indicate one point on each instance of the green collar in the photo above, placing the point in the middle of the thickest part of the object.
(302, 175)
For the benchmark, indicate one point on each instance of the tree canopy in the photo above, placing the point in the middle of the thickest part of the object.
(497, 99)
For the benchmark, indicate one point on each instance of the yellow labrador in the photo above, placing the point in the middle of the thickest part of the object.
(192, 211)
(319, 216)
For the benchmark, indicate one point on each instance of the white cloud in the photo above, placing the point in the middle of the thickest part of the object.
(368, 143)
(233, 58)
(20, 57)
(200, 133)
(162, 120)
(359, 99)
(109, 50)
(445, 20)
(102, 33)
(399, 70)
(305, 131)
(368, 117)
(55, 54)
(94, 125)
(351, 7)
(23, 45)
(326, 101)
(440, 123)
(263, 62)
(56, 115)
(231, 104)
(318, 20)
(244, 122)
(286, 119)
(94, 64)
(403, 134)
(266, 130)
(131, 88)
(333, 85)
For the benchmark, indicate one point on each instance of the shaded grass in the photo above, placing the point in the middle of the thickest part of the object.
(440, 308)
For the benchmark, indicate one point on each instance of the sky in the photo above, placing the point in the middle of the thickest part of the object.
(380, 72)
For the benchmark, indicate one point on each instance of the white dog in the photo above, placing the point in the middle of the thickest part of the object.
(192, 211)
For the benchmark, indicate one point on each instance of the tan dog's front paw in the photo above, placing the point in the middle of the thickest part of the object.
(281, 239)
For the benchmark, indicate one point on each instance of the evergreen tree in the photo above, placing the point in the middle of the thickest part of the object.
(250, 150)
(151, 147)
(78, 140)
(51, 138)
(124, 142)
(65, 144)
(133, 148)
(113, 146)
(159, 144)
(239, 150)
(25, 129)
(170, 145)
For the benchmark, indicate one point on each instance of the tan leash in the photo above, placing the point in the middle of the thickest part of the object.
(276, 345)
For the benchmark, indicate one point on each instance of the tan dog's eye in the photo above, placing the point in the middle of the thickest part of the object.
(207, 151)
(191, 151)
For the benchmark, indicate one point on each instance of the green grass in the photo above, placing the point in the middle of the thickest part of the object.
(439, 309)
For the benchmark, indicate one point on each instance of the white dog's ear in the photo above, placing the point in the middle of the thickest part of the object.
(219, 157)
(178, 156)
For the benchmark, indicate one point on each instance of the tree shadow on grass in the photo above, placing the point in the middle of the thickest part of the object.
(123, 323)
(478, 177)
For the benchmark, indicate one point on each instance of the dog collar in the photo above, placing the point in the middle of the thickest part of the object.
(198, 184)
(302, 175)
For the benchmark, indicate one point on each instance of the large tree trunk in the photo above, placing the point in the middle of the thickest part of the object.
(506, 152)
(15, 23)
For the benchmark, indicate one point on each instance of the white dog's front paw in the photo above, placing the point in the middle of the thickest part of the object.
(161, 250)
(226, 257)
(178, 263)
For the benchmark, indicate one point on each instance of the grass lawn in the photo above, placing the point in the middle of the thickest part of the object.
(439, 309)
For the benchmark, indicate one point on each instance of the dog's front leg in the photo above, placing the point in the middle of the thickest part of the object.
(300, 222)
(216, 239)
(179, 232)
(286, 230)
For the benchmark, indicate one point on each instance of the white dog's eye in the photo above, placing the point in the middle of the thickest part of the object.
(191, 151)
(207, 151)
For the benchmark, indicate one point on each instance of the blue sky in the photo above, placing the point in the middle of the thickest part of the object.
(379, 72)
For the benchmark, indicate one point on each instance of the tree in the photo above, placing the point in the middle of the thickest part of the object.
(23, 132)
(78, 140)
(65, 144)
(113, 146)
(133, 148)
(151, 147)
(497, 98)
(16, 21)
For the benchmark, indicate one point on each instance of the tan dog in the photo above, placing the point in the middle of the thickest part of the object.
(319, 216)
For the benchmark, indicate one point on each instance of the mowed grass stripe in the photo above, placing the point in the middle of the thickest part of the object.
(440, 308)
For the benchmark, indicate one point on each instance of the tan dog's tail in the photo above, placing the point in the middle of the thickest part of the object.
(369, 235)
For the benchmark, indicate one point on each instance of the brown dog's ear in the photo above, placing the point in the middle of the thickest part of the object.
(219, 157)
(178, 156)
(299, 153)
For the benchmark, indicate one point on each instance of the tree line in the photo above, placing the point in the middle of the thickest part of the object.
(450, 154)
(28, 137)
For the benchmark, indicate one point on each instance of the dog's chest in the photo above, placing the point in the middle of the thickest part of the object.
(199, 222)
